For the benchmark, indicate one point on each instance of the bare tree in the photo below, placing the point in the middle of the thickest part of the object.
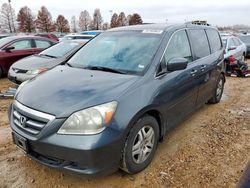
(84, 20)
(44, 20)
(105, 26)
(7, 17)
(62, 24)
(114, 21)
(135, 19)
(97, 19)
(122, 19)
(26, 20)
(73, 24)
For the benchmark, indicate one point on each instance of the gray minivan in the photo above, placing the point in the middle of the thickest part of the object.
(117, 97)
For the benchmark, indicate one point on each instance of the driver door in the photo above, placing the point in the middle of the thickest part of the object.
(22, 48)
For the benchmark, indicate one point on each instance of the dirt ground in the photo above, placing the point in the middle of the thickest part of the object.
(210, 149)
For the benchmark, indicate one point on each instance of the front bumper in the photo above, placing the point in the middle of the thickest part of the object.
(18, 78)
(89, 154)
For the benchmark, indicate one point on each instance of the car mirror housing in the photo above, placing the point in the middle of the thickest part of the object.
(175, 64)
(8, 49)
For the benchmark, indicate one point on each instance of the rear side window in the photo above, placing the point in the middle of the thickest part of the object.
(214, 40)
(178, 47)
(200, 43)
(42, 44)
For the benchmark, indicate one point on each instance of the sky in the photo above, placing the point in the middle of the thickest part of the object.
(216, 12)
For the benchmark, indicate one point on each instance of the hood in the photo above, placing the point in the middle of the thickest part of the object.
(35, 62)
(64, 90)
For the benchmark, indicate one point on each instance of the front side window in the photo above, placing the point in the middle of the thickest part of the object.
(127, 51)
(42, 44)
(200, 43)
(178, 47)
(22, 44)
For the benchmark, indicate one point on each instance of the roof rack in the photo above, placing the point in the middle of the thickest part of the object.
(199, 22)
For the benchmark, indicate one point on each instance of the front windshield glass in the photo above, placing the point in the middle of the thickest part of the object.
(127, 51)
(245, 39)
(224, 41)
(4, 41)
(60, 49)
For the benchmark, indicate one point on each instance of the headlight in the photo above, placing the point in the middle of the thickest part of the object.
(20, 87)
(35, 72)
(89, 121)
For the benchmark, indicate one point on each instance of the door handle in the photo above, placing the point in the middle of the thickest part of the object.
(193, 72)
(203, 67)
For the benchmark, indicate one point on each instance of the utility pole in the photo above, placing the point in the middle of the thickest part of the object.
(11, 14)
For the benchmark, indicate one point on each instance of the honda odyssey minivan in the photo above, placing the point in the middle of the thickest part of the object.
(117, 97)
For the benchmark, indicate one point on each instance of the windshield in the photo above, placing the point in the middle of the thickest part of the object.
(224, 41)
(129, 51)
(60, 49)
(245, 39)
(4, 41)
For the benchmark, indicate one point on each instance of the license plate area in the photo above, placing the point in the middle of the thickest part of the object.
(20, 141)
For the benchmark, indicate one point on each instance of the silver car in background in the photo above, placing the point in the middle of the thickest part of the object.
(234, 47)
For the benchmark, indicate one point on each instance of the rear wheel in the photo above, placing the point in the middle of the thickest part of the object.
(218, 91)
(1, 72)
(140, 145)
(243, 58)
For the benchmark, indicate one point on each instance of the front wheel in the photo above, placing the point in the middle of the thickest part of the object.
(140, 145)
(218, 91)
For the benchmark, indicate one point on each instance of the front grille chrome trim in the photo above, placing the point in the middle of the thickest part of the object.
(33, 112)
(35, 121)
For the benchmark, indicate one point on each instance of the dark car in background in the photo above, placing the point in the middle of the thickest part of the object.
(117, 97)
(17, 47)
(49, 36)
(31, 66)
(246, 40)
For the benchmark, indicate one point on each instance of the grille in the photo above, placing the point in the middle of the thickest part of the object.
(29, 120)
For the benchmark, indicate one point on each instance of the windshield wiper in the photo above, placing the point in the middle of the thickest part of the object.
(46, 55)
(107, 69)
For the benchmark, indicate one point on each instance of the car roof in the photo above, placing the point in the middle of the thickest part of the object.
(163, 27)
(79, 41)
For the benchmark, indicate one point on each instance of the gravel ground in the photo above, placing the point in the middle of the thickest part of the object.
(209, 149)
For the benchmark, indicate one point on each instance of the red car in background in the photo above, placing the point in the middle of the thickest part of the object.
(17, 47)
(49, 36)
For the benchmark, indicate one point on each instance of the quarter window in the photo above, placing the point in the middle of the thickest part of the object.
(22, 44)
(42, 44)
(200, 43)
(178, 47)
(214, 40)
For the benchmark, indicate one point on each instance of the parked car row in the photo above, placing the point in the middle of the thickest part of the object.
(116, 97)
(17, 47)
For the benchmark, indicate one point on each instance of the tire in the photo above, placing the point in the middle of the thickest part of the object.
(1, 72)
(218, 91)
(143, 137)
(243, 58)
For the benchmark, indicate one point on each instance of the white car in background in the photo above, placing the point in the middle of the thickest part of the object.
(77, 36)
(234, 47)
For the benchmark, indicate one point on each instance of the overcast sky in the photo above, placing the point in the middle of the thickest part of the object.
(216, 12)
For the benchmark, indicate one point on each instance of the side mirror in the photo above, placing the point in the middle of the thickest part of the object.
(8, 49)
(231, 48)
(175, 64)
